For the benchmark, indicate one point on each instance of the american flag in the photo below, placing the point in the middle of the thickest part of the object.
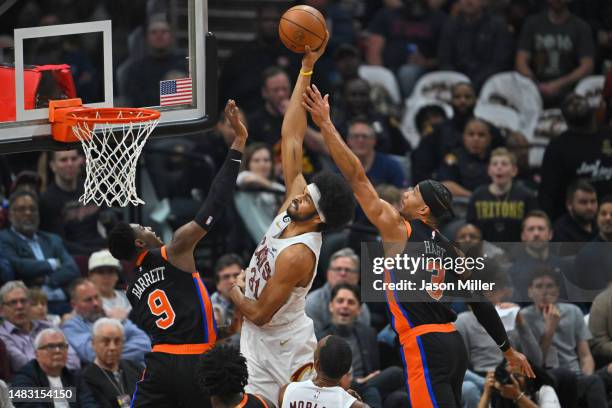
(175, 92)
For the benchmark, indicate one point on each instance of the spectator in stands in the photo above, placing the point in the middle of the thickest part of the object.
(111, 379)
(428, 117)
(379, 167)
(518, 390)
(579, 223)
(405, 39)
(600, 324)
(227, 270)
(38, 258)
(583, 151)
(18, 329)
(374, 385)
(465, 168)
(263, 52)
(469, 239)
(49, 369)
(556, 50)
(85, 300)
(143, 75)
(343, 268)
(563, 336)
(265, 123)
(104, 274)
(61, 212)
(593, 267)
(426, 158)
(258, 173)
(483, 354)
(6, 270)
(475, 42)
(534, 253)
(498, 208)
(348, 60)
(39, 309)
(357, 103)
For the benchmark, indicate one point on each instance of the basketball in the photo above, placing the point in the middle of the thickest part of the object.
(301, 26)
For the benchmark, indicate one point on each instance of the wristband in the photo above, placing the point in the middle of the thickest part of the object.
(522, 394)
(309, 73)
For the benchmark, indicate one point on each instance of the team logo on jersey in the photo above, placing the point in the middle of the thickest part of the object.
(316, 394)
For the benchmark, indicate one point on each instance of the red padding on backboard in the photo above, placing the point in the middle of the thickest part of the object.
(61, 74)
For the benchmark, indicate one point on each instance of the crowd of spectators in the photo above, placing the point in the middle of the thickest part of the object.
(545, 228)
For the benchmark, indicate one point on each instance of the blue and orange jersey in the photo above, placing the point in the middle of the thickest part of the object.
(172, 306)
(426, 306)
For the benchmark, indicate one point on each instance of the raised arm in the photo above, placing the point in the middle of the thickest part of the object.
(180, 250)
(294, 128)
(382, 214)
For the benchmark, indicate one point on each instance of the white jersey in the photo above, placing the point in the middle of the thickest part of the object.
(306, 394)
(263, 266)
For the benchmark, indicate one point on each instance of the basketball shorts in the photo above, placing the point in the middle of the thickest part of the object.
(170, 380)
(278, 356)
(434, 367)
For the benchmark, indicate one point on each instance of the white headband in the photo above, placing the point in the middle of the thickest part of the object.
(315, 195)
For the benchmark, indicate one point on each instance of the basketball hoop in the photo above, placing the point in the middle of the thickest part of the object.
(112, 140)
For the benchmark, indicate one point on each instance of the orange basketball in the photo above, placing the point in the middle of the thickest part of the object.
(301, 26)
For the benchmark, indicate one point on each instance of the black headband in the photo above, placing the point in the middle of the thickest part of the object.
(436, 204)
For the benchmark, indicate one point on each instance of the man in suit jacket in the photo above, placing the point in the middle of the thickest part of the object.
(49, 370)
(111, 378)
(374, 385)
(38, 258)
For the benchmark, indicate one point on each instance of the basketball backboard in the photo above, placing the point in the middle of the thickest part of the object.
(140, 53)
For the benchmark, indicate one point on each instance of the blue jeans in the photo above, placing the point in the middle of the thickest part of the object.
(471, 390)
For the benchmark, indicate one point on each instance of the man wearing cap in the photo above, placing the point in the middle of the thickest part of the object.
(433, 352)
(104, 273)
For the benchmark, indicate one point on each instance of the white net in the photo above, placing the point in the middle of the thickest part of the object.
(111, 154)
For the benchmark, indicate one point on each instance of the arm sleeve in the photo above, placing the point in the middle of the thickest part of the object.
(22, 267)
(85, 395)
(489, 319)
(221, 191)
(525, 42)
(585, 44)
(16, 356)
(601, 343)
(73, 362)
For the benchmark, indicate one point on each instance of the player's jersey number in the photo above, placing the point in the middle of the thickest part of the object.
(437, 278)
(160, 306)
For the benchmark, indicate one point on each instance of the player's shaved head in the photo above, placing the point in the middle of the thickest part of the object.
(333, 357)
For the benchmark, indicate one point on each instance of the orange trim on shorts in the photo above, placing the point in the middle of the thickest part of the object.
(141, 257)
(417, 380)
(182, 348)
(208, 308)
(164, 254)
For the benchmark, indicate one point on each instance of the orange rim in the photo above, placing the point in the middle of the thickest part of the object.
(111, 115)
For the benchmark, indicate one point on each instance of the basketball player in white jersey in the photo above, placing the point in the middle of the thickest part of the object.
(277, 337)
(332, 361)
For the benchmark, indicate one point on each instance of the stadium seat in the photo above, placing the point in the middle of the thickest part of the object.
(437, 85)
(518, 92)
(591, 87)
(501, 116)
(379, 75)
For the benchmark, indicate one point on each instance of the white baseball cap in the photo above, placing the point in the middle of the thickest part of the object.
(103, 258)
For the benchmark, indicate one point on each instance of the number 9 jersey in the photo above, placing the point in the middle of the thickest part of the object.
(172, 306)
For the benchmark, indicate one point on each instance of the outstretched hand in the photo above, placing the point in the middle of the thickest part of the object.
(518, 363)
(232, 113)
(312, 56)
(317, 105)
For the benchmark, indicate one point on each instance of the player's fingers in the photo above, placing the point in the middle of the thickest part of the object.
(326, 99)
(316, 90)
